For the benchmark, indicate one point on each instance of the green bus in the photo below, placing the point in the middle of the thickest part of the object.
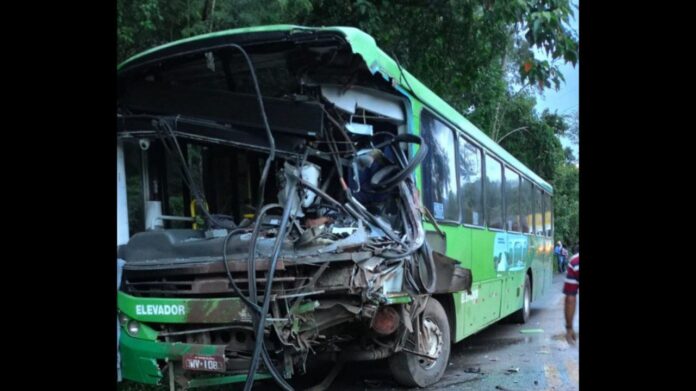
(290, 197)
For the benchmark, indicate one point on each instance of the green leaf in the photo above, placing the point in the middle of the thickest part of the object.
(535, 28)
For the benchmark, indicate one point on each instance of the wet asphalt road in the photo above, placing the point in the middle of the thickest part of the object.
(500, 357)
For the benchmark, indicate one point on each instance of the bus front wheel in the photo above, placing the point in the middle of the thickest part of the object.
(417, 371)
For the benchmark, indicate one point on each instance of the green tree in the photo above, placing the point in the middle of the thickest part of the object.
(143, 24)
(462, 49)
(566, 203)
(569, 155)
(574, 129)
(466, 51)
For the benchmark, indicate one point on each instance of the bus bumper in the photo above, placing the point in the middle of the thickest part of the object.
(142, 361)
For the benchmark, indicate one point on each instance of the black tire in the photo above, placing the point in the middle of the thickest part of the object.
(416, 371)
(522, 315)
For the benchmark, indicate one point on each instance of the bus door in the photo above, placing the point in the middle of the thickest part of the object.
(512, 270)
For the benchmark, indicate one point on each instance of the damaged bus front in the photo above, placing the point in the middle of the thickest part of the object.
(274, 213)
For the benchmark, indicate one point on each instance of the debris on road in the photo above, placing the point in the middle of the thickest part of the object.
(513, 370)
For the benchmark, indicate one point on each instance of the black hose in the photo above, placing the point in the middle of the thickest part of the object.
(430, 266)
(388, 184)
(258, 345)
(253, 306)
(251, 278)
(367, 355)
(251, 269)
(255, 310)
(357, 355)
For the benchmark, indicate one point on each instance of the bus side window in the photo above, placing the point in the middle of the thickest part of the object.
(526, 206)
(494, 193)
(470, 180)
(512, 200)
(439, 170)
(548, 215)
(538, 212)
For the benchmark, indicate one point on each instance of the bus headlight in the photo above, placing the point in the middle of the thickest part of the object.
(122, 319)
(133, 327)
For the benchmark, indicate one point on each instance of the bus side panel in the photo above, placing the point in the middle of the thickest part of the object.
(459, 247)
(542, 267)
(514, 271)
(482, 307)
(458, 244)
(478, 310)
(538, 274)
(482, 260)
(548, 247)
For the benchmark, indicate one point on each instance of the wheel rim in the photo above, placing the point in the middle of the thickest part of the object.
(432, 341)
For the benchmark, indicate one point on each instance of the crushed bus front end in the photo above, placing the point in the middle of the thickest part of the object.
(272, 185)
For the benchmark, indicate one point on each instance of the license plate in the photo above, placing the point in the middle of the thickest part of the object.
(197, 362)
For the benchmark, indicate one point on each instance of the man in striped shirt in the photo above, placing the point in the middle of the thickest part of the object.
(570, 289)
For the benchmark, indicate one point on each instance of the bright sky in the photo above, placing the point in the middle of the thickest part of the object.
(566, 99)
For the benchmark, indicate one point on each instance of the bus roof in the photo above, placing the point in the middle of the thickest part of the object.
(377, 60)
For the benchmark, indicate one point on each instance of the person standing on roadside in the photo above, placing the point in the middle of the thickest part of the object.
(558, 253)
(571, 287)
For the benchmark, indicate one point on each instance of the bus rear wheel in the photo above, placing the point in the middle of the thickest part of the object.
(417, 371)
(522, 315)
